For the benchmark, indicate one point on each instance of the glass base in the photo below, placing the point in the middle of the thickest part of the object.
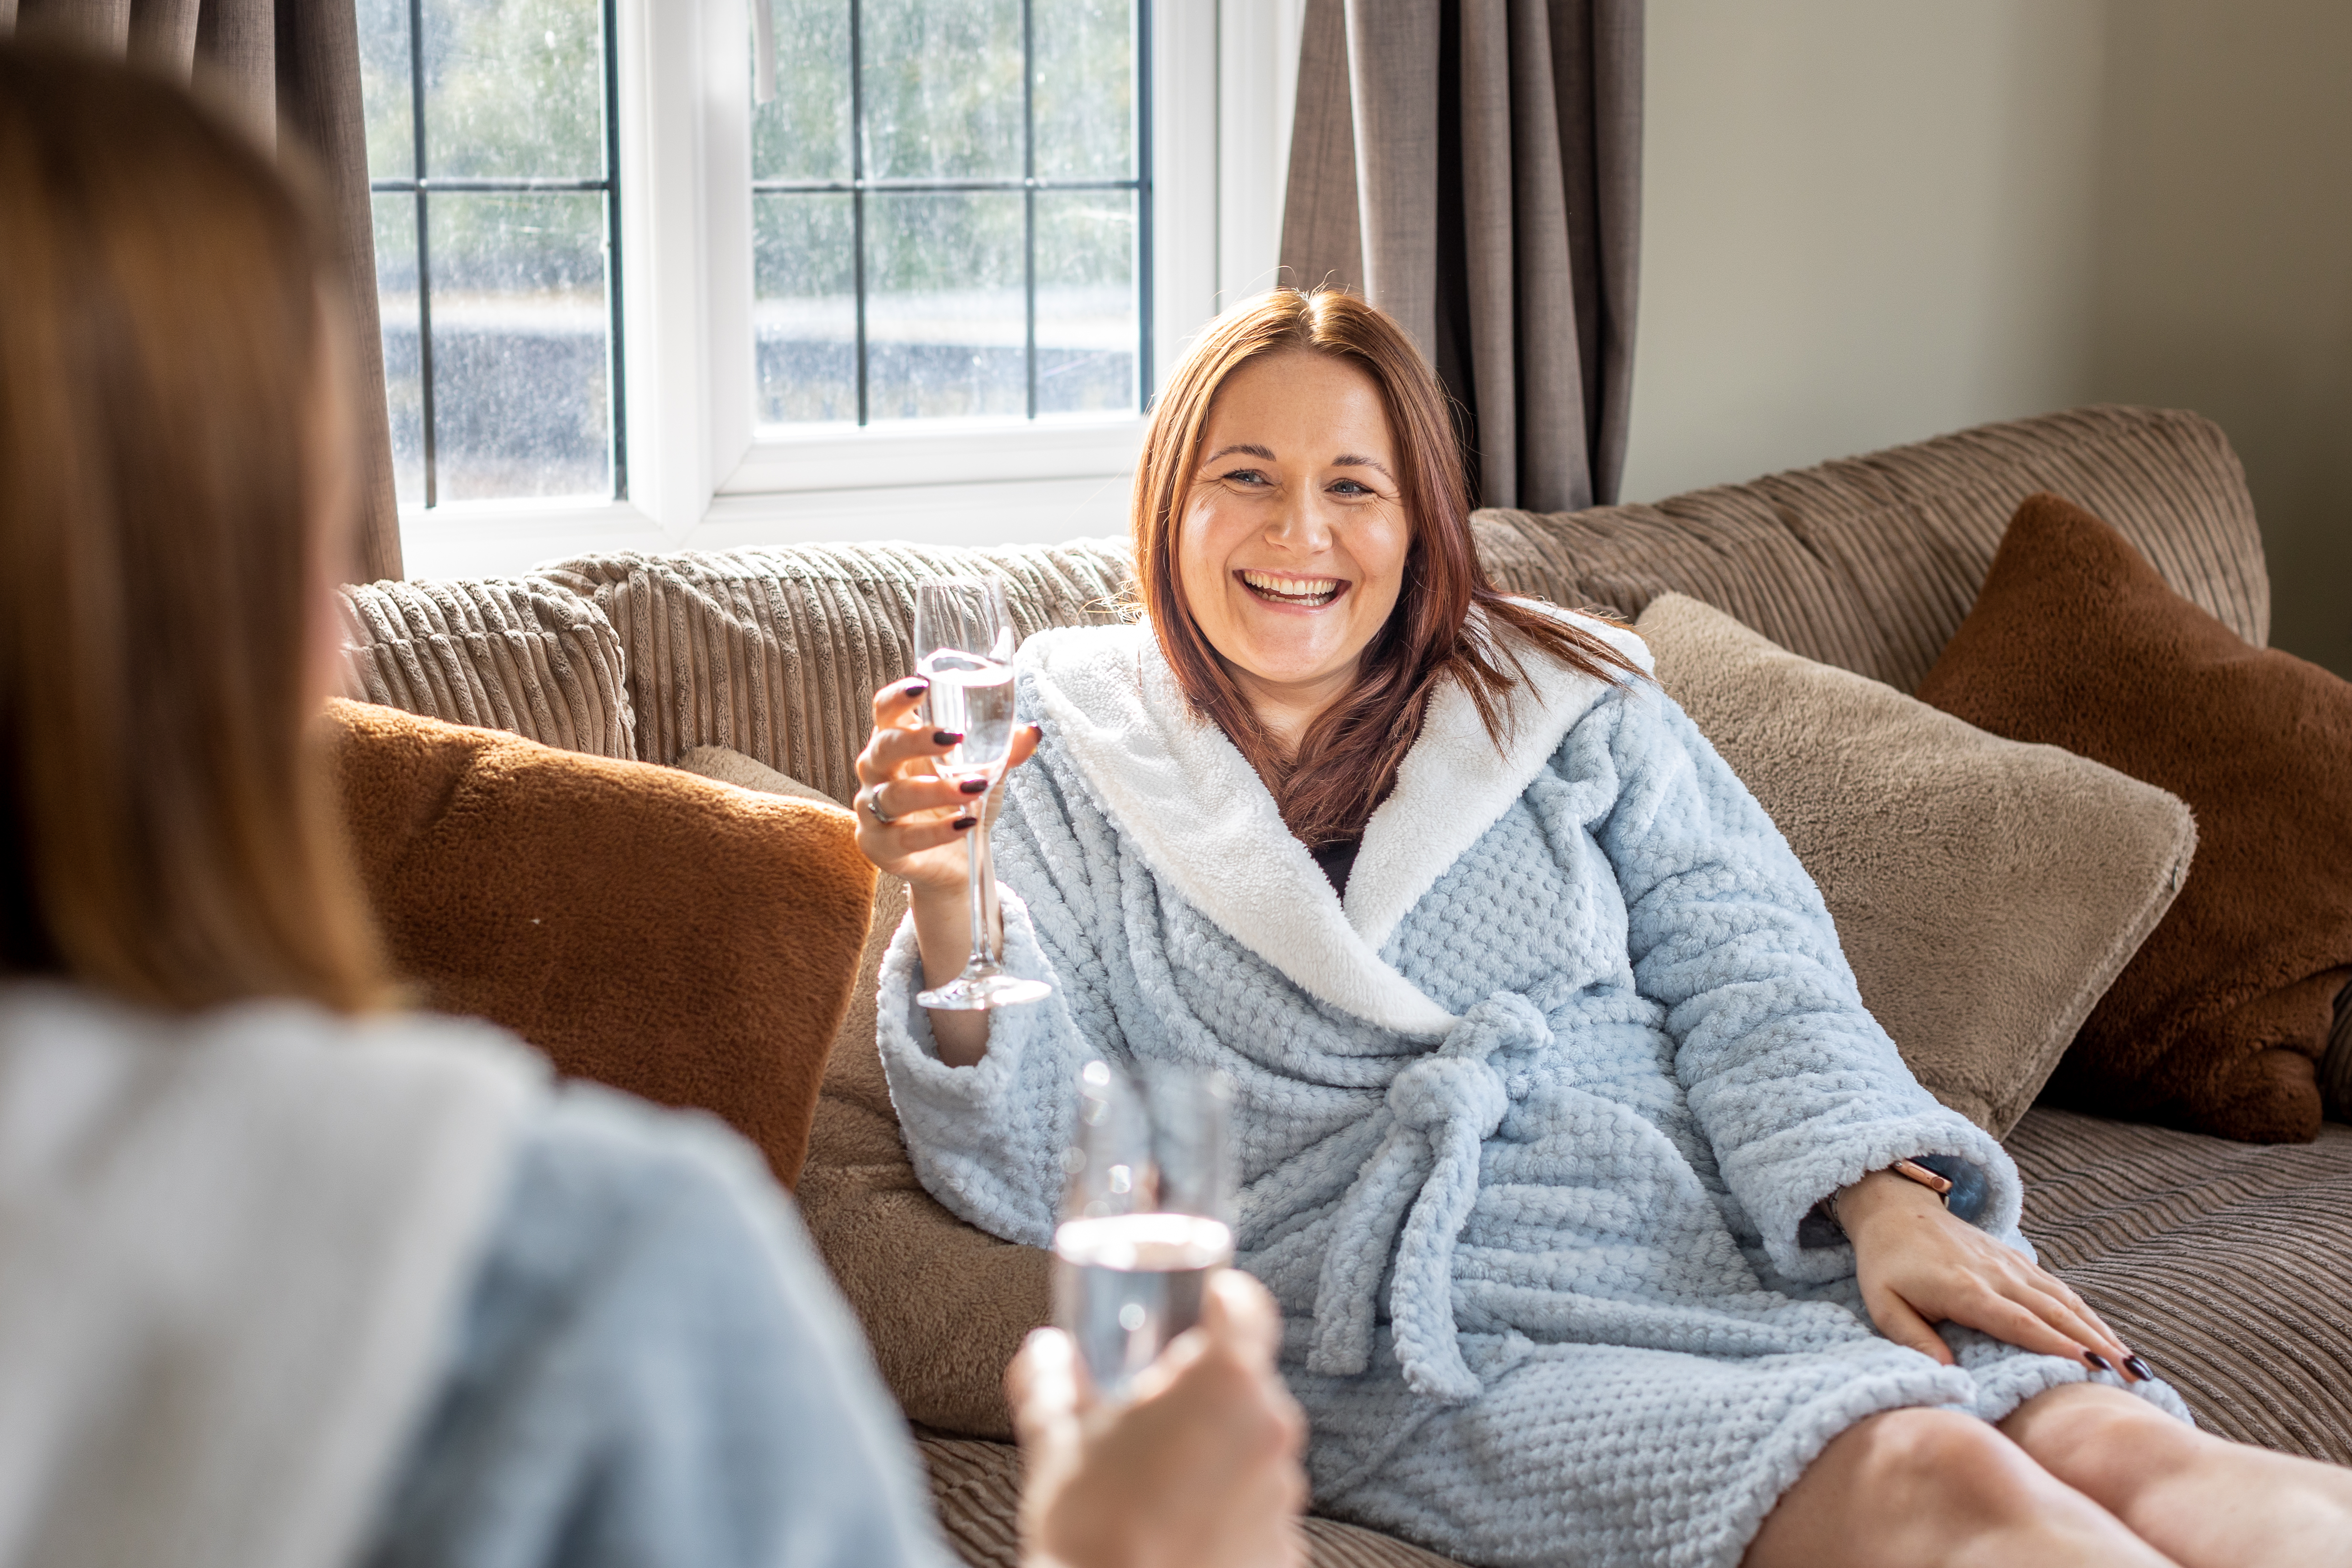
(978, 989)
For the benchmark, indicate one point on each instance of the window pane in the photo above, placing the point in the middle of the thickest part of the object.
(946, 324)
(942, 89)
(804, 133)
(1087, 327)
(803, 308)
(514, 88)
(519, 351)
(385, 88)
(395, 303)
(1085, 89)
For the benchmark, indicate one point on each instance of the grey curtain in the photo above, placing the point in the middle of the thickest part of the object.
(1474, 168)
(293, 64)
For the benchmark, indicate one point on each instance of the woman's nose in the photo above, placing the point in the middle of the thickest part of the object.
(1300, 525)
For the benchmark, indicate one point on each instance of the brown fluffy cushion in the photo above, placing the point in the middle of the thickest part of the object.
(1986, 892)
(2076, 642)
(684, 941)
(944, 1304)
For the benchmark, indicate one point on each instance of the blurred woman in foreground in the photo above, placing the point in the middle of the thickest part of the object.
(288, 1276)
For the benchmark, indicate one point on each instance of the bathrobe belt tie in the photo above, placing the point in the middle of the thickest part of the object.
(1413, 1197)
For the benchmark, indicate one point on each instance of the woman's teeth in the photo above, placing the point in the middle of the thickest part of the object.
(1306, 591)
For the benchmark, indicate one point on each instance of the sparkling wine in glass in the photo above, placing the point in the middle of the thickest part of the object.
(1146, 1216)
(964, 647)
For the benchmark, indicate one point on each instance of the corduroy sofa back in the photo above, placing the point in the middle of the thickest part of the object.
(1868, 563)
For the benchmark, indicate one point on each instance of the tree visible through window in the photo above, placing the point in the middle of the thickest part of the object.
(951, 210)
(490, 152)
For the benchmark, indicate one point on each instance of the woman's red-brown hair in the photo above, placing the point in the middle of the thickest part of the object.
(167, 830)
(1348, 760)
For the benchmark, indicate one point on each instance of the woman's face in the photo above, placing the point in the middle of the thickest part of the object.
(1292, 547)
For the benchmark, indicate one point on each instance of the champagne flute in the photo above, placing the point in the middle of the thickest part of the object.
(964, 647)
(1146, 1218)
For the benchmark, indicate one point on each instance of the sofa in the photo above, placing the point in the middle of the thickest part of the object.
(2228, 1265)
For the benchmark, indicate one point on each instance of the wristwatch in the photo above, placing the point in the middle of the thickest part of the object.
(1962, 1187)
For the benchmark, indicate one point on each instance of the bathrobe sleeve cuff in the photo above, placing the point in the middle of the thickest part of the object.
(985, 1139)
(1779, 1178)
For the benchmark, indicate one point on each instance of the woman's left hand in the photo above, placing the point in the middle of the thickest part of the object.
(1919, 1267)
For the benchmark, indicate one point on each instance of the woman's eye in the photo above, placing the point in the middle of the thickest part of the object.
(1351, 488)
(1246, 476)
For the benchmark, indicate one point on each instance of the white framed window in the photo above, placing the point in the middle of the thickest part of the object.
(1026, 390)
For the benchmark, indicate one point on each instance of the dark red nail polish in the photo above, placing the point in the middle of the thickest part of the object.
(962, 822)
(2140, 1369)
(917, 686)
(973, 786)
(2096, 1362)
(946, 736)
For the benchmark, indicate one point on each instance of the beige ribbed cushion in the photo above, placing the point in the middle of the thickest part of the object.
(778, 652)
(1870, 563)
(976, 1487)
(518, 653)
(2228, 1265)
(1986, 892)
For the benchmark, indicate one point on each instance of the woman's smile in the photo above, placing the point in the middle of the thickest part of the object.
(1292, 592)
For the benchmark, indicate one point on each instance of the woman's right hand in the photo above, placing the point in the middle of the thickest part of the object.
(1198, 1468)
(927, 816)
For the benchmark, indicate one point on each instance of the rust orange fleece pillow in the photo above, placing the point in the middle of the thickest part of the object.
(2216, 1023)
(684, 940)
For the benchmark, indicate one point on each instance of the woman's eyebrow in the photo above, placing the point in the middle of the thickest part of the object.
(1248, 448)
(1351, 460)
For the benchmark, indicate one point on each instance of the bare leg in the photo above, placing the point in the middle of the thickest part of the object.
(1929, 1488)
(2204, 1500)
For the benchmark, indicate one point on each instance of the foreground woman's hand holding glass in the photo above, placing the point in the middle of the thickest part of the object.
(1197, 1465)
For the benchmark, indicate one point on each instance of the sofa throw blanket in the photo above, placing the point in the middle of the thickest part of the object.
(231, 1250)
(1526, 1123)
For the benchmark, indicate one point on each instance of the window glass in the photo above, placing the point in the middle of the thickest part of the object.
(803, 133)
(804, 314)
(1085, 89)
(942, 89)
(495, 209)
(948, 207)
(518, 344)
(1087, 325)
(946, 324)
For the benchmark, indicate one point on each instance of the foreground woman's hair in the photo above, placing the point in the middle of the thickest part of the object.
(1348, 760)
(164, 830)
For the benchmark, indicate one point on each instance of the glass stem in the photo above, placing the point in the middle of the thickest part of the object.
(981, 871)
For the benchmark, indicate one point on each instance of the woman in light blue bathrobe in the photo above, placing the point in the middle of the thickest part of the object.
(1544, 1045)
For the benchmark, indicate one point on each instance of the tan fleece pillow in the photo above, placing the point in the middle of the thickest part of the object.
(944, 1304)
(1986, 892)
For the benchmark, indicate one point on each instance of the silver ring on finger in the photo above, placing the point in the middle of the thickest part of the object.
(871, 799)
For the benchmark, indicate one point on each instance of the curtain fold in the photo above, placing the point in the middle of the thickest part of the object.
(290, 64)
(1473, 167)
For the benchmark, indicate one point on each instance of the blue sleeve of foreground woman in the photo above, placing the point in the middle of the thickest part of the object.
(653, 1368)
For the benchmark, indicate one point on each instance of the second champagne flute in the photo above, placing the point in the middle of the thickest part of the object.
(964, 647)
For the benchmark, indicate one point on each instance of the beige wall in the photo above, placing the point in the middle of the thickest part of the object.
(1867, 221)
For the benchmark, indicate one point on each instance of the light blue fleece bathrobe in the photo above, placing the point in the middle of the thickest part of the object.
(1527, 1124)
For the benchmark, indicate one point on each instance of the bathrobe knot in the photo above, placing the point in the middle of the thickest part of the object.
(1413, 1197)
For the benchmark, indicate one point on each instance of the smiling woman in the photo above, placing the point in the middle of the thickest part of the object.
(1542, 1045)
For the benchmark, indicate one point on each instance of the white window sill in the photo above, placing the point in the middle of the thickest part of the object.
(508, 538)
(938, 452)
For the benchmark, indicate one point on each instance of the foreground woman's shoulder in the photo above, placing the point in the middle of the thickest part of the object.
(649, 1294)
